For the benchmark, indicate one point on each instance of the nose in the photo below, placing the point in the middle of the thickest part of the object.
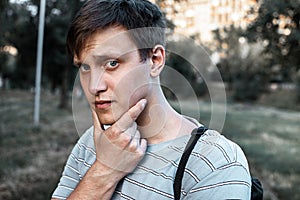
(98, 82)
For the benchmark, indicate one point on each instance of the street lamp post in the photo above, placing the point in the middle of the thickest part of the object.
(36, 117)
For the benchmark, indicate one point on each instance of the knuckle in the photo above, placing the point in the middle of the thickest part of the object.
(132, 146)
(114, 132)
(125, 141)
(132, 114)
(140, 153)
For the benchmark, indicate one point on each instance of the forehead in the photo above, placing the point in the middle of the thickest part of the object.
(112, 40)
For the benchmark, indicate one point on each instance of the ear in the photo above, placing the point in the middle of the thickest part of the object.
(157, 60)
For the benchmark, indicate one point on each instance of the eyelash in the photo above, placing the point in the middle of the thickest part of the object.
(108, 66)
(110, 62)
(82, 66)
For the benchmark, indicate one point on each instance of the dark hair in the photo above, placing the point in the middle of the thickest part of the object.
(141, 15)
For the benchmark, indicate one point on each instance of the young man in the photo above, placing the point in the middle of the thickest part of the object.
(134, 147)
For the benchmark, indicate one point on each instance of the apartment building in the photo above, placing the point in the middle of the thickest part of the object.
(200, 17)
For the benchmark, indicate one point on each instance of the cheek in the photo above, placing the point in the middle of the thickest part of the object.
(84, 81)
(138, 94)
(133, 86)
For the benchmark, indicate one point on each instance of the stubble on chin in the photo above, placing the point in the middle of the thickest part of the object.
(110, 116)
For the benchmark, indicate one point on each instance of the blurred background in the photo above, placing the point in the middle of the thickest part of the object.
(254, 44)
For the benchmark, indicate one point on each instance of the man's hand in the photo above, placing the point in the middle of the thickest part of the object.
(118, 150)
(120, 146)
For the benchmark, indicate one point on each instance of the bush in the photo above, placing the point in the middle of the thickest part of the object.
(248, 86)
(191, 61)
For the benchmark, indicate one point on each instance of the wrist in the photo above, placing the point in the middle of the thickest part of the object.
(99, 182)
(105, 177)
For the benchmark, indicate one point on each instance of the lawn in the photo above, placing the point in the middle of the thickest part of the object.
(270, 139)
(32, 157)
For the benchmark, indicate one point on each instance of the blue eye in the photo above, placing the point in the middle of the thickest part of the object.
(112, 64)
(84, 67)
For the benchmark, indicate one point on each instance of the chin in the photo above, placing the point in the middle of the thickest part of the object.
(106, 118)
(110, 116)
(107, 122)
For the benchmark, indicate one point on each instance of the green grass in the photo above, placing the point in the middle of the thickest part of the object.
(270, 139)
(283, 99)
(32, 158)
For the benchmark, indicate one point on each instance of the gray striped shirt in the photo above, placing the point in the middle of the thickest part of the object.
(217, 169)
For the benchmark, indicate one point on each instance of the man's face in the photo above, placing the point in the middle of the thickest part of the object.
(112, 74)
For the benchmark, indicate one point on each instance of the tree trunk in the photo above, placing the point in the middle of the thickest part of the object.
(64, 98)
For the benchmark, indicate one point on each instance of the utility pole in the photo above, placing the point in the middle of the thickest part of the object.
(36, 117)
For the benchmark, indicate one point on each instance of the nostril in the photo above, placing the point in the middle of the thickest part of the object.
(97, 85)
(97, 93)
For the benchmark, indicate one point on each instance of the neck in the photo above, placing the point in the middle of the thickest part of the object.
(160, 122)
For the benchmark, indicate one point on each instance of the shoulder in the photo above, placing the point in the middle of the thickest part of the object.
(220, 150)
(216, 151)
(217, 163)
(215, 154)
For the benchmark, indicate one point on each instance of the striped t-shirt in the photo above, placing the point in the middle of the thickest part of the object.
(217, 169)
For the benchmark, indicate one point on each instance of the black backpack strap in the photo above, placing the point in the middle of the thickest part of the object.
(256, 189)
(196, 134)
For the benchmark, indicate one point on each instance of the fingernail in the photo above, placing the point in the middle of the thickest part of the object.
(143, 102)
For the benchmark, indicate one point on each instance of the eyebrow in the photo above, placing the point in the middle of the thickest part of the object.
(104, 57)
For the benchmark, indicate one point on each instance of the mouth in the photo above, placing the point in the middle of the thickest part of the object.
(103, 104)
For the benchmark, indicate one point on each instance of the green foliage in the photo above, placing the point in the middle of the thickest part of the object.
(19, 28)
(244, 67)
(248, 86)
(276, 31)
(190, 61)
(57, 62)
(20, 35)
(278, 27)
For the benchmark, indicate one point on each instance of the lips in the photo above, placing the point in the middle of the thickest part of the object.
(103, 104)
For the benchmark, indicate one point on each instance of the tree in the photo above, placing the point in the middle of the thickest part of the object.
(20, 36)
(23, 36)
(191, 61)
(278, 27)
(57, 62)
(244, 67)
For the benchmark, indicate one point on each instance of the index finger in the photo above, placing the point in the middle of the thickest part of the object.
(96, 121)
(131, 115)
